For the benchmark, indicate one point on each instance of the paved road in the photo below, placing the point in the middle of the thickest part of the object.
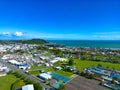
(14, 68)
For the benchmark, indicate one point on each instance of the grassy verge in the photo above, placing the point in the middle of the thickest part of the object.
(35, 72)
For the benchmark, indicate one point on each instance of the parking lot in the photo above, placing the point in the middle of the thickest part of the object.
(81, 83)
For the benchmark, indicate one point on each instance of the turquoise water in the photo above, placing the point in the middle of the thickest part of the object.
(88, 43)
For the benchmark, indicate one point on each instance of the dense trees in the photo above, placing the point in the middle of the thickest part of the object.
(32, 41)
(87, 75)
(70, 62)
(61, 87)
(37, 86)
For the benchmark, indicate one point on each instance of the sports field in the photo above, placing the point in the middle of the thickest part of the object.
(84, 64)
(6, 81)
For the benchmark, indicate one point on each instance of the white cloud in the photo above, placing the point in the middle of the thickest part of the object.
(60, 36)
(108, 33)
(18, 33)
(6, 33)
(107, 36)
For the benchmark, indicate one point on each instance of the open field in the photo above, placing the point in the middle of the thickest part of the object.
(80, 64)
(84, 64)
(6, 81)
(34, 72)
(46, 54)
(81, 83)
(50, 69)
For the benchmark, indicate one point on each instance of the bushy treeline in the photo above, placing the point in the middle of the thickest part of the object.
(21, 77)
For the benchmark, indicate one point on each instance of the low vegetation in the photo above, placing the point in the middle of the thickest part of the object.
(50, 69)
(84, 64)
(7, 81)
(14, 81)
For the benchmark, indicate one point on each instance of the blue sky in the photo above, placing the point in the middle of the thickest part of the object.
(60, 19)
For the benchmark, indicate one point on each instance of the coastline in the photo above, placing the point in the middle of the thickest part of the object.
(103, 44)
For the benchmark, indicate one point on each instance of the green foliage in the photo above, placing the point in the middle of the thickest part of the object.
(87, 75)
(17, 74)
(99, 65)
(34, 41)
(81, 64)
(61, 87)
(36, 72)
(17, 84)
(10, 72)
(70, 62)
(6, 81)
(37, 86)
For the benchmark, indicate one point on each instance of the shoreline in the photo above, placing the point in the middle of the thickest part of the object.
(99, 44)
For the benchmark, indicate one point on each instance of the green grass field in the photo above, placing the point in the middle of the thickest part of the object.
(67, 74)
(6, 81)
(61, 72)
(35, 72)
(46, 54)
(80, 64)
(84, 64)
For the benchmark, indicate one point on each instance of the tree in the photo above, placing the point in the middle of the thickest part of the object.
(89, 76)
(10, 72)
(114, 79)
(99, 65)
(71, 62)
(37, 86)
(61, 87)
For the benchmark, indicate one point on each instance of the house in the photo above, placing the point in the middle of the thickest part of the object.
(14, 62)
(47, 64)
(58, 59)
(3, 71)
(58, 68)
(28, 87)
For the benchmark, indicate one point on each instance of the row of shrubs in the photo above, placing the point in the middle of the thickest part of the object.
(37, 86)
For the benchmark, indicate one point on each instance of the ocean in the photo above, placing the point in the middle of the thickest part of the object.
(115, 44)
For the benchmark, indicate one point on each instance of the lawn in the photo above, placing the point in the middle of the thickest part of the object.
(6, 81)
(49, 69)
(61, 72)
(46, 54)
(80, 64)
(84, 64)
(18, 84)
(35, 72)
(37, 67)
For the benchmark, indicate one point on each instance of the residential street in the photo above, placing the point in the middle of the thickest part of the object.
(14, 68)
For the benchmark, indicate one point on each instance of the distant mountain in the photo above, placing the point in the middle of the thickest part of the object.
(32, 41)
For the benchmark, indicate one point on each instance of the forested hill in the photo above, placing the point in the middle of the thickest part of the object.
(32, 41)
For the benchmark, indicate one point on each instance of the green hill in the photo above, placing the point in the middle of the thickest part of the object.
(32, 41)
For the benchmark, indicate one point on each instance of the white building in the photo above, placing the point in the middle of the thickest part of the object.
(58, 68)
(58, 59)
(45, 76)
(14, 62)
(28, 87)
